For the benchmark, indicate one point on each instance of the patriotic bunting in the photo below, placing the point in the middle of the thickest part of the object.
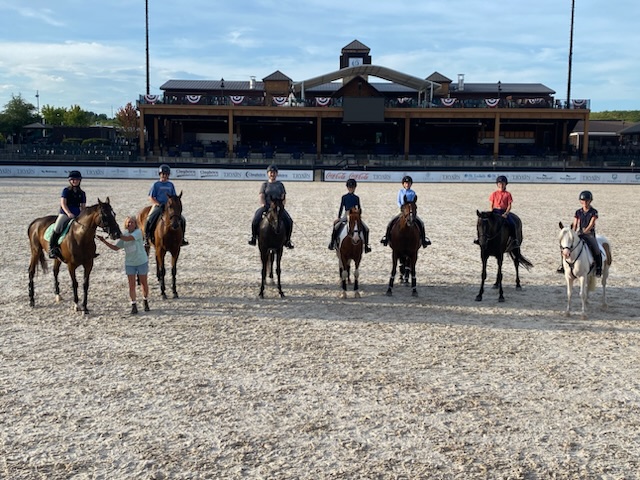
(237, 99)
(194, 98)
(279, 101)
(323, 101)
(492, 102)
(151, 98)
(449, 102)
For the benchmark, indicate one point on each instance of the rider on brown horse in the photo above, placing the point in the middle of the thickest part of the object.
(159, 194)
(72, 202)
(349, 200)
(406, 194)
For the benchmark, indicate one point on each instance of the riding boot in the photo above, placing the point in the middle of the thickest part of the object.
(254, 231)
(365, 234)
(332, 243)
(54, 248)
(598, 260)
(147, 234)
(385, 240)
(184, 229)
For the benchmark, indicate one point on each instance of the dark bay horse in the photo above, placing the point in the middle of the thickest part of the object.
(493, 237)
(167, 237)
(350, 247)
(271, 238)
(405, 242)
(78, 248)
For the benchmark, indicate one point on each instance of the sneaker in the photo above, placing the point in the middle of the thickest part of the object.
(252, 241)
(134, 309)
(367, 249)
(146, 305)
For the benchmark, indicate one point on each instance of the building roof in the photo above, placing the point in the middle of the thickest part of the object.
(356, 46)
(602, 127)
(504, 88)
(633, 129)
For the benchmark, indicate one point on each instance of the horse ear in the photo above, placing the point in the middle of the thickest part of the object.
(561, 226)
(108, 201)
(180, 196)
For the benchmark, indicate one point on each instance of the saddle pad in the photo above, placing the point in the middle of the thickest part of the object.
(49, 231)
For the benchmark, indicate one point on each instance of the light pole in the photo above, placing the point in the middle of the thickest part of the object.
(573, 9)
(146, 23)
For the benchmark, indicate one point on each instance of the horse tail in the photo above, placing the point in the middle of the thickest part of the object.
(518, 257)
(33, 237)
(604, 241)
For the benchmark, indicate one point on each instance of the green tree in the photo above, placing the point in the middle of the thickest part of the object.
(53, 115)
(626, 115)
(76, 117)
(127, 119)
(16, 114)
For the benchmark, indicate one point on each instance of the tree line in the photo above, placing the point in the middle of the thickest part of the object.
(18, 113)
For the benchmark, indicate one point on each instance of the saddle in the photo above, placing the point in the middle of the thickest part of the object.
(49, 231)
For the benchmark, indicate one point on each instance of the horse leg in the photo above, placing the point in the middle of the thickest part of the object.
(356, 276)
(569, 280)
(56, 282)
(393, 274)
(271, 255)
(85, 288)
(174, 271)
(33, 265)
(278, 271)
(265, 259)
(74, 285)
(414, 290)
(160, 273)
(583, 294)
(483, 278)
(516, 264)
(500, 292)
(343, 281)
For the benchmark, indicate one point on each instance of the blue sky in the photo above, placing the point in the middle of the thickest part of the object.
(80, 52)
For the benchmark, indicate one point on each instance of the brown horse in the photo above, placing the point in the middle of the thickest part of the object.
(167, 237)
(405, 242)
(271, 238)
(78, 247)
(350, 246)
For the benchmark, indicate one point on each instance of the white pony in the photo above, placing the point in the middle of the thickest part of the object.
(579, 265)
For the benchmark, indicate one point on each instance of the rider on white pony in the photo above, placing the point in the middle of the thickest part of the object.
(584, 222)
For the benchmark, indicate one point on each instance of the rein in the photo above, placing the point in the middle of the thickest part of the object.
(581, 243)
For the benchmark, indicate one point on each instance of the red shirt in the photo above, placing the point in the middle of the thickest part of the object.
(500, 199)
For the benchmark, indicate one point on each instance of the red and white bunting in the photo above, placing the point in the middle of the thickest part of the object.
(194, 98)
(492, 102)
(323, 101)
(237, 99)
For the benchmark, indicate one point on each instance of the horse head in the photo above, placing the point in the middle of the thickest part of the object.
(408, 211)
(354, 224)
(489, 226)
(568, 239)
(173, 209)
(274, 213)
(107, 219)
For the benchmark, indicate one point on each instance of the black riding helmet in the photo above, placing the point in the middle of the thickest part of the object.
(75, 174)
(164, 168)
(272, 168)
(502, 179)
(351, 183)
(586, 195)
(407, 178)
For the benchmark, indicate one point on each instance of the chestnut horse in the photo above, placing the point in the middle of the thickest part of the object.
(493, 238)
(167, 237)
(350, 247)
(405, 242)
(271, 239)
(78, 247)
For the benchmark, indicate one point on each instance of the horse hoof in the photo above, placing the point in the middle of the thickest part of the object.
(501, 300)
(389, 293)
(414, 294)
(281, 294)
(356, 294)
(164, 296)
(495, 287)
(342, 295)
(478, 298)
(175, 295)
(58, 298)
(518, 287)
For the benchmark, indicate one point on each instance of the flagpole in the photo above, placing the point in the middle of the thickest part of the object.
(146, 19)
(573, 7)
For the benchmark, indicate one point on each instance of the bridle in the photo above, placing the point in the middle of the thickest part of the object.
(571, 248)
(485, 223)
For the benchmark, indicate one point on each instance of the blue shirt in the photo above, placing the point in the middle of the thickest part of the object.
(161, 191)
(411, 195)
(349, 200)
(75, 198)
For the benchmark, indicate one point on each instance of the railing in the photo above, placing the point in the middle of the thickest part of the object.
(398, 102)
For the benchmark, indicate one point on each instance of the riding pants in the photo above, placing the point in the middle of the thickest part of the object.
(58, 227)
(257, 217)
(338, 225)
(511, 223)
(595, 249)
(419, 222)
(152, 220)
